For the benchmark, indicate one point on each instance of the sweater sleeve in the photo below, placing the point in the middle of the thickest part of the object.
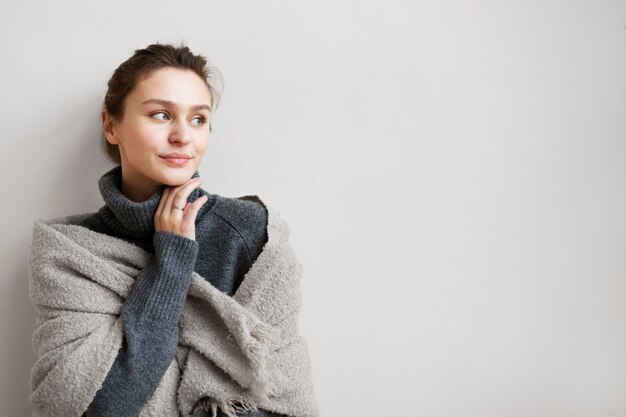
(252, 227)
(150, 317)
(257, 236)
(250, 222)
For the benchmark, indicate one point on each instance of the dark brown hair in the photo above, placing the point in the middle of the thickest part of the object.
(139, 66)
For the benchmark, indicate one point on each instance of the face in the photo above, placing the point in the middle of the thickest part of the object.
(166, 113)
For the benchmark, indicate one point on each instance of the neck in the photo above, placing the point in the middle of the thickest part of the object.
(132, 214)
(138, 192)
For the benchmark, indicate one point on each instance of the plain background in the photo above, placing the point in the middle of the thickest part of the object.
(454, 174)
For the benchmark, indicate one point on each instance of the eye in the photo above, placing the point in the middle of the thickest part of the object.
(199, 120)
(158, 114)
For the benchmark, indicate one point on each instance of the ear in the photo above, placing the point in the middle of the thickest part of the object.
(107, 127)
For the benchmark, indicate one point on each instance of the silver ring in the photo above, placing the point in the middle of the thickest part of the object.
(178, 208)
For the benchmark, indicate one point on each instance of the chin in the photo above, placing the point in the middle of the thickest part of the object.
(178, 177)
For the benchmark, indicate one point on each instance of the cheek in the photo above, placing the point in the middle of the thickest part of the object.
(204, 142)
(144, 136)
(202, 146)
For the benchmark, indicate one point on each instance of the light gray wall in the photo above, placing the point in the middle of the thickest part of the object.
(454, 173)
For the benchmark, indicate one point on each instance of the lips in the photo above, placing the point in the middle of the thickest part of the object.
(177, 158)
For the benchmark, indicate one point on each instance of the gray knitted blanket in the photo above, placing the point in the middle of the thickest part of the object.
(234, 353)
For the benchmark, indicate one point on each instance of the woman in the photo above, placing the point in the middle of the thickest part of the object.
(156, 123)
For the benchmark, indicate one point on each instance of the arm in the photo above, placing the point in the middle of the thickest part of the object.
(253, 231)
(150, 316)
(222, 336)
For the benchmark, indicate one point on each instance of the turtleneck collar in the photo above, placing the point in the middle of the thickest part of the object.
(133, 219)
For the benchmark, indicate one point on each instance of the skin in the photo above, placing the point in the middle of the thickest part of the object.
(148, 131)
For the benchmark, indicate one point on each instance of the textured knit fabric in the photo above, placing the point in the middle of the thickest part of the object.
(225, 256)
(230, 234)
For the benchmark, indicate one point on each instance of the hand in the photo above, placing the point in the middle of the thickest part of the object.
(167, 218)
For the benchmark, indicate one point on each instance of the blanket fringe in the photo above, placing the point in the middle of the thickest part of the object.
(229, 407)
(264, 378)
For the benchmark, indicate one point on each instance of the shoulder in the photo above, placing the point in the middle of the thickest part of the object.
(92, 221)
(248, 216)
(244, 211)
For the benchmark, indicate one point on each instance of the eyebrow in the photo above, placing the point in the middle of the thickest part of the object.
(172, 104)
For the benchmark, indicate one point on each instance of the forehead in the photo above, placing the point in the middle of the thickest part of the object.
(183, 87)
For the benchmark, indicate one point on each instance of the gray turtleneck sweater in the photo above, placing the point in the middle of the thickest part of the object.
(230, 234)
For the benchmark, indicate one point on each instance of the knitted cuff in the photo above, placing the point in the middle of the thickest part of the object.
(161, 288)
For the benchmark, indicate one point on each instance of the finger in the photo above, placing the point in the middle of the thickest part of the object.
(179, 196)
(191, 209)
(162, 200)
(167, 199)
(174, 192)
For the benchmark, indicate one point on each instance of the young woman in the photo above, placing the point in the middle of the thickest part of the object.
(156, 129)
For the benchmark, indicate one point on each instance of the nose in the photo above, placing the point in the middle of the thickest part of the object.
(180, 132)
